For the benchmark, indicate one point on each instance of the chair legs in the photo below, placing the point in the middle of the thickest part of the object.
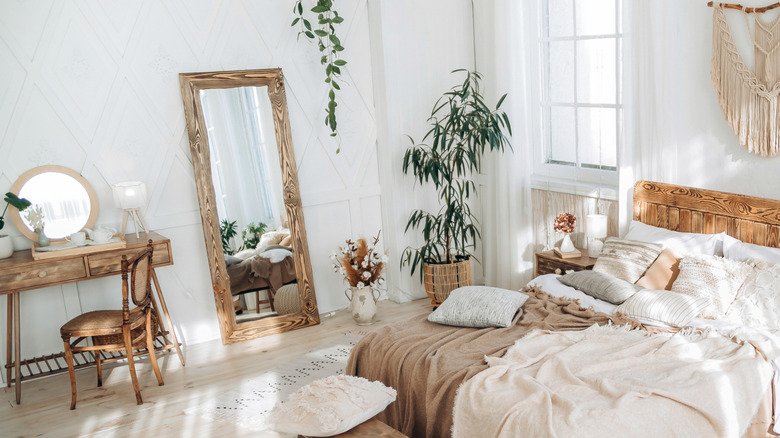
(99, 366)
(131, 364)
(150, 348)
(71, 372)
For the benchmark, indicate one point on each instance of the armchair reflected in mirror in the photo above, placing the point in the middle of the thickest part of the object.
(247, 185)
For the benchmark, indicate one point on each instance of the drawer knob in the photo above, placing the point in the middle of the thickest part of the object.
(558, 271)
(42, 274)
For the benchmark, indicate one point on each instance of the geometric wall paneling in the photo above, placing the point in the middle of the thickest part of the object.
(272, 19)
(301, 127)
(39, 135)
(317, 173)
(370, 175)
(114, 21)
(235, 42)
(157, 53)
(177, 203)
(22, 25)
(78, 70)
(196, 19)
(11, 79)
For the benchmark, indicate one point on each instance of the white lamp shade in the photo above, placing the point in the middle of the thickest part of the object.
(129, 194)
(596, 226)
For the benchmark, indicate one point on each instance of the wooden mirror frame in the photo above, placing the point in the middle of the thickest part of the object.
(16, 215)
(191, 85)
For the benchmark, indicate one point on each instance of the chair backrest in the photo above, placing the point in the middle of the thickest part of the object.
(139, 268)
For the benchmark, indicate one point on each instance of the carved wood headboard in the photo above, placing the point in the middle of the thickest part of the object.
(747, 218)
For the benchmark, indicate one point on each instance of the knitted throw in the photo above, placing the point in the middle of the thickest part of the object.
(749, 100)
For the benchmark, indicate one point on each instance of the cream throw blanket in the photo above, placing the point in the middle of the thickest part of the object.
(608, 381)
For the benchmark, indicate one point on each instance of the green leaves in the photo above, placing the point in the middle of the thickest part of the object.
(15, 201)
(329, 46)
(463, 127)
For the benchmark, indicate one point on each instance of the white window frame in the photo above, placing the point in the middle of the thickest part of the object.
(578, 179)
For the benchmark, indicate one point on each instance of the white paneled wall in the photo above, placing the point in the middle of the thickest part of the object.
(93, 85)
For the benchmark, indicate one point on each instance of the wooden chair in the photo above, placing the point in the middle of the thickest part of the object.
(116, 330)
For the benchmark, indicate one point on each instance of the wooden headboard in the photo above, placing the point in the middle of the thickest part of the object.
(678, 208)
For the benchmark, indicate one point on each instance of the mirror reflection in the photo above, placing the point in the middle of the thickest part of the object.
(67, 200)
(247, 179)
(64, 201)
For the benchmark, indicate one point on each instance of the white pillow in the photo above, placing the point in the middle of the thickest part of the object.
(245, 254)
(276, 255)
(735, 249)
(682, 244)
(663, 306)
(330, 406)
(758, 303)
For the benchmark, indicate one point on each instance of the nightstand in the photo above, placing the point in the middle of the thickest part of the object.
(547, 262)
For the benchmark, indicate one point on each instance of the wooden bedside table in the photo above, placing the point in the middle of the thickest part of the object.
(547, 262)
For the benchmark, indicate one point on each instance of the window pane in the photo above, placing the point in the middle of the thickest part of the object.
(562, 136)
(596, 71)
(597, 135)
(561, 74)
(560, 18)
(595, 17)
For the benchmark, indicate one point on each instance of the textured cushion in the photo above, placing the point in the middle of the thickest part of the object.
(479, 306)
(682, 244)
(662, 273)
(626, 259)
(287, 241)
(737, 250)
(711, 277)
(232, 260)
(275, 255)
(758, 301)
(599, 285)
(663, 306)
(330, 406)
(287, 299)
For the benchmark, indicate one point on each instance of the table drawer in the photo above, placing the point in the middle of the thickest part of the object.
(111, 263)
(43, 274)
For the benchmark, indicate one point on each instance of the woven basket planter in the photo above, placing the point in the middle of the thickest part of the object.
(440, 280)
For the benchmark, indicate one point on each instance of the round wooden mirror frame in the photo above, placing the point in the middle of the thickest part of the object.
(16, 216)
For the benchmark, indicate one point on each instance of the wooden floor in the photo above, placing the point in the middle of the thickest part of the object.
(211, 368)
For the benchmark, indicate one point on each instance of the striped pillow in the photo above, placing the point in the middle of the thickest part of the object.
(663, 306)
(626, 259)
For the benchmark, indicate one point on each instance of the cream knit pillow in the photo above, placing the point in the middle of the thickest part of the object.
(711, 277)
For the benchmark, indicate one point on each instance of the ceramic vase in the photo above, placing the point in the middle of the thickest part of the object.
(6, 246)
(567, 245)
(42, 239)
(362, 304)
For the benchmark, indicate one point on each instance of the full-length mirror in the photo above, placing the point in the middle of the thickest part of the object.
(67, 200)
(247, 185)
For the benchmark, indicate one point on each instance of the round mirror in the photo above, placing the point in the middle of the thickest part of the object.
(67, 200)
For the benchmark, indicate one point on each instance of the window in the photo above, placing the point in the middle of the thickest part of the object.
(580, 90)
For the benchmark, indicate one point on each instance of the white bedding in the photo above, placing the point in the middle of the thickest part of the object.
(767, 341)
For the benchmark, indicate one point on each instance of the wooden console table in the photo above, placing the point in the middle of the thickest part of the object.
(21, 272)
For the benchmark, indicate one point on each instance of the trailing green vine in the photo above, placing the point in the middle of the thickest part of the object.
(330, 48)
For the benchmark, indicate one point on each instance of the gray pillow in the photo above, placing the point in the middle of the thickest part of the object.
(600, 285)
(479, 306)
(627, 259)
(232, 260)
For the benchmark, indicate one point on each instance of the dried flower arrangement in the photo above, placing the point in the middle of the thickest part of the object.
(360, 263)
(564, 223)
(35, 218)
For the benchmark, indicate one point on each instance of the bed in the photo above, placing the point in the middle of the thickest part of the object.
(259, 272)
(481, 381)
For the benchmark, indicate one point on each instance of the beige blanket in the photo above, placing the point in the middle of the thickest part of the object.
(608, 381)
(427, 362)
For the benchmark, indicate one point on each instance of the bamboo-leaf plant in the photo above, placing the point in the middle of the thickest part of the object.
(463, 128)
(330, 48)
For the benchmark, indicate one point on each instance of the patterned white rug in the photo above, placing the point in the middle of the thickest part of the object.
(248, 404)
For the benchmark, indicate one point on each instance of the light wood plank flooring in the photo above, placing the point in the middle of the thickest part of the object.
(211, 368)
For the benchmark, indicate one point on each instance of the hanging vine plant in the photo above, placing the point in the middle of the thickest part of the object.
(330, 48)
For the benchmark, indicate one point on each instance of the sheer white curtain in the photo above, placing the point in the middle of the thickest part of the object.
(507, 229)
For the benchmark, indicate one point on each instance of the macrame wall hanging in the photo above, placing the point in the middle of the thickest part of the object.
(750, 100)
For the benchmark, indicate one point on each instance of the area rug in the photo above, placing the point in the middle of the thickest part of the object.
(248, 404)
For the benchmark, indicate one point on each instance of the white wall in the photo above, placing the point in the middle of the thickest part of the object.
(416, 44)
(93, 86)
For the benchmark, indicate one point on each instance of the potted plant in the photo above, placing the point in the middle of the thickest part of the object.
(6, 245)
(463, 127)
